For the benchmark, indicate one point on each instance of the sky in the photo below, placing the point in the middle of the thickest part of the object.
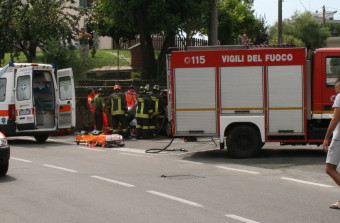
(269, 8)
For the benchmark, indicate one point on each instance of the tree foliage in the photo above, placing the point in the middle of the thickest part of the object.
(32, 23)
(303, 30)
(236, 17)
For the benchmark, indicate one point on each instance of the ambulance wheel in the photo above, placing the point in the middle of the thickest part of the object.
(243, 142)
(168, 129)
(3, 168)
(41, 138)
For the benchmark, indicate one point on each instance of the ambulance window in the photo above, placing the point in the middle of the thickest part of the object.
(332, 70)
(3, 83)
(65, 88)
(24, 88)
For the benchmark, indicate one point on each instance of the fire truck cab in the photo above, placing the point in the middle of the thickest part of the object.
(250, 96)
(34, 101)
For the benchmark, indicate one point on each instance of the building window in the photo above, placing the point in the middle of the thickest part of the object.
(85, 3)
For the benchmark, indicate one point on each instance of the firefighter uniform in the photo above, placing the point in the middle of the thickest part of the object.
(158, 109)
(143, 112)
(118, 111)
(99, 105)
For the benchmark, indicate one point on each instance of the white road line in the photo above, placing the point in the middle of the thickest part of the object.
(113, 181)
(191, 162)
(131, 154)
(239, 218)
(22, 160)
(130, 150)
(175, 198)
(239, 170)
(60, 168)
(306, 182)
(96, 150)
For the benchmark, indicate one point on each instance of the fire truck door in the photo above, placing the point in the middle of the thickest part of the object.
(24, 99)
(66, 99)
(195, 101)
(285, 100)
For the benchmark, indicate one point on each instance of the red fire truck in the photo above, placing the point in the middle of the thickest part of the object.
(251, 96)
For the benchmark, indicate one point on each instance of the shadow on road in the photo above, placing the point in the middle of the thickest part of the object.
(6, 179)
(268, 158)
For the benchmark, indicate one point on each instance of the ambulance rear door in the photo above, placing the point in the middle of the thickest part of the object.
(66, 99)
(24, 99)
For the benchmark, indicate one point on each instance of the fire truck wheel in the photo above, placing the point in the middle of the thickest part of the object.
(243, 142)
(41, 138)
(3, 168)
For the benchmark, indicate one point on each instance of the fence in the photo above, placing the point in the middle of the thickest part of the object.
(159, 40)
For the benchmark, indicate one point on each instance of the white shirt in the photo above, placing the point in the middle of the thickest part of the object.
(336, 132)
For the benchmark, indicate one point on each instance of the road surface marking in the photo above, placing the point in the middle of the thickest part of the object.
(131, 154)
(22, 160)
(239, 170)
(96, 150)
(188, 161)
(113, 181)
(175, 198)
(129, 150)
(305, 182)
(240, 218)
(60, 168)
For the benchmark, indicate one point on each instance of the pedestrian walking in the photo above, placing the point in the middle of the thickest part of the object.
(333, 151)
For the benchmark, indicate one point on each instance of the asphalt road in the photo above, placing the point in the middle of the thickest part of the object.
(60, 181)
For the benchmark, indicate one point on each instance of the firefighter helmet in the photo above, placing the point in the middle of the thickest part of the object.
(100, 91)
(132, 87)
(142, 89)
(117, 87)
(156, 87)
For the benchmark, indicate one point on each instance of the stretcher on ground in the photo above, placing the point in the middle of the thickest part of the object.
(103, 140)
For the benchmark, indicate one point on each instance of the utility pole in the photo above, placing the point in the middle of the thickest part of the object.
(279, 24)
(323, 15)
(213, 33)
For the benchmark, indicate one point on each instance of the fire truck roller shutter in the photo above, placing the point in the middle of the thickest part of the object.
(242, 90)
(285, 100)
(195, 101)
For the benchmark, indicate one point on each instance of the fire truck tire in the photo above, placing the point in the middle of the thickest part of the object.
(3, 168)
(41, 138)
(243, 142)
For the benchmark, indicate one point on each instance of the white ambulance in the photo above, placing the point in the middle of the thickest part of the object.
(36, 101)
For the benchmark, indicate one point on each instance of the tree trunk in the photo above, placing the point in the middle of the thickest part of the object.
(169, 41)
(149, 69)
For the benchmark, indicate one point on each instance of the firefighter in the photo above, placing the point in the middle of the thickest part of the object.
(143, 112)
(99, 105)
(118, 111)
(158, 109)
(131, 97)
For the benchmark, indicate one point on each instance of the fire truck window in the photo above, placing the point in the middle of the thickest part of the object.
(65, 88)
(3, 83)
(24, 88)
(332, 70)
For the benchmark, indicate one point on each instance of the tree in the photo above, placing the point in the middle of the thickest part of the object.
(236, 17)
(302, 31)
(147, 18)
(7, 9)
(34, 22)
